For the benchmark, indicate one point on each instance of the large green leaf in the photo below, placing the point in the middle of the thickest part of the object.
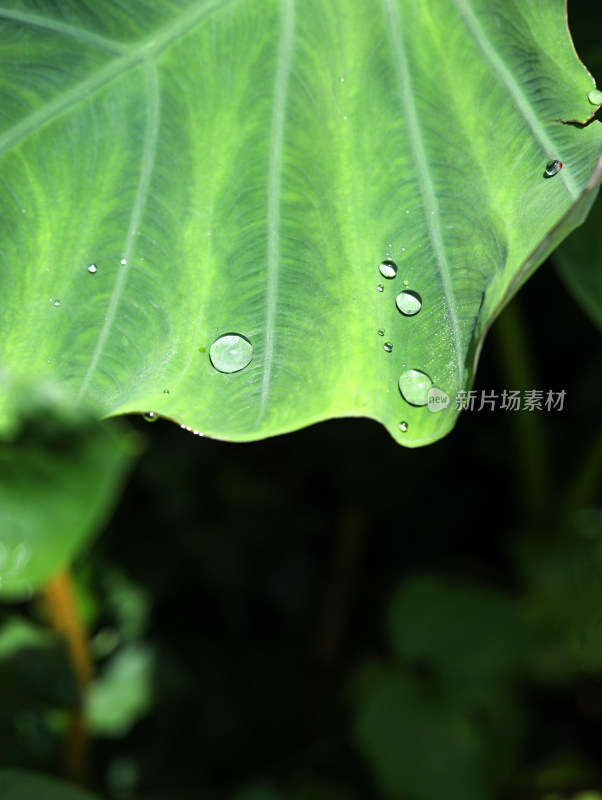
(244, 167)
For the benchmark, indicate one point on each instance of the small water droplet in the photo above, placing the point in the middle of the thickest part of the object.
(595, 97)
(202, 349)
(552, 168)
(408, 302)
(342, 80)
(380, 287)
(150, 416)
(57, 303)
(406, 283)
(124, 261)
(403, 426)
(165, 391)
(92, 268)
(387, 268)
(407, 212)
(381, 331)
(414, 386)
(388, 346)
(231, 352)
(403, 249)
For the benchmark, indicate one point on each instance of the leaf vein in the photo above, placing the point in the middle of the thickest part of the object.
(142, 190)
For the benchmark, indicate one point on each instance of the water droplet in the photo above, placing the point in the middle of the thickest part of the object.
(387, 268)
(403, 426)
(381, 331)
(150, 416)
(202, 349)
(231, 352)
(165, 391)
(388, 346)
(342, 80)
(92, 268)
(552, 168)
(380, 287)
(595, 97)
(406, 283)
(57, 303)
(414, 386)
(124, 261)
(408, 302)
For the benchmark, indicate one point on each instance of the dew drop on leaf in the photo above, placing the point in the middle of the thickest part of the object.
(124, 261)
(595, 97)
(403, 426)
(552, 168)
(388, 346)
(231, 352)
(92, 268)
(57, 303)
(414, 386)
(150, 416)
(387, 268)
(381, 331)
(380, 287)
(408, 302)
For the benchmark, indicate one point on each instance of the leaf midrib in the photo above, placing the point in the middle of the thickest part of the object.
(425, 179)
(474, 27)
(283, 68)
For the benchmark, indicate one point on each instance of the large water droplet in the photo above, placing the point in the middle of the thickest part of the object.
(403, 426)
(595, 97)
(552, 168)
(387, 268)
(92, 268)
(150, 416)
(388, 346)
(408, 302)
(414, 386)
(231, 352)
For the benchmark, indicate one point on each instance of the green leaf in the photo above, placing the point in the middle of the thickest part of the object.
(17, 785)
(244, 167)
(416, 745)
(123, 692)
(60, 474)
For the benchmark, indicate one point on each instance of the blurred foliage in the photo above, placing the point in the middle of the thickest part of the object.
(16, 785)
(60, 474)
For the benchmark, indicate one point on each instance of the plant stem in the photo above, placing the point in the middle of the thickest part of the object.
(511, 339)
(60, 603)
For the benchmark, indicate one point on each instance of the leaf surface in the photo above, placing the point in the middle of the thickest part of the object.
(242, 167)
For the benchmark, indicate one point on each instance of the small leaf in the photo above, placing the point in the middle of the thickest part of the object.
(60, 473)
